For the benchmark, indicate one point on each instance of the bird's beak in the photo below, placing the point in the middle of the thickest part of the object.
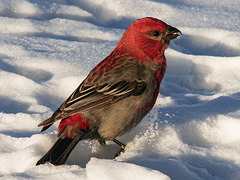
(172, 33)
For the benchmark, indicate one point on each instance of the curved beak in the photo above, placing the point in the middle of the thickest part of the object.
(172, 33)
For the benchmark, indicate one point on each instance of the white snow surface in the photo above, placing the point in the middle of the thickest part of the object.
(47, 48)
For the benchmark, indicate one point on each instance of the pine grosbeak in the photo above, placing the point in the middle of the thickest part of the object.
(117, 93)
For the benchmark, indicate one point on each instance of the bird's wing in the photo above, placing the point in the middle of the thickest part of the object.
(91, 97)
(108, 85)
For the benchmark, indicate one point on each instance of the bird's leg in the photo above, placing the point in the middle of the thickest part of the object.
(102, 142)
(121, 145)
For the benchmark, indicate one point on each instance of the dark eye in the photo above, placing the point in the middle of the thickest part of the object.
(156, 33)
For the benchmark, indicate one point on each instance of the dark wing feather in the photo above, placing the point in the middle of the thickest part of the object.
(100, 96)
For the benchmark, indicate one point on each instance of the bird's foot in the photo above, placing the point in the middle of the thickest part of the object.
(119, 153)
(122, 150)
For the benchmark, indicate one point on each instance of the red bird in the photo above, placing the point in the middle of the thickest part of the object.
(117, 93)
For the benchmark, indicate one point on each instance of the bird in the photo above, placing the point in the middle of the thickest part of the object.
(116, 94)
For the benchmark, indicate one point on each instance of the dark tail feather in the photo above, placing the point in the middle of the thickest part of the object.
(59, 152)
(47, 123)
(46, 127)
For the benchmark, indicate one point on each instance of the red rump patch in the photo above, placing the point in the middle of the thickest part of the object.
(74, 123)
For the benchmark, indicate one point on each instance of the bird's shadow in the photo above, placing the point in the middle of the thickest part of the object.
(86, 150)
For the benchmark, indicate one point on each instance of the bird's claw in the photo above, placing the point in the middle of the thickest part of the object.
(122, 150)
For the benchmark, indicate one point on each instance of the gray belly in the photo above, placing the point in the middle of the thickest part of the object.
(123, 116)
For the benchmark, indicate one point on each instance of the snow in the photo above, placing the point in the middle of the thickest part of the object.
(193, 132)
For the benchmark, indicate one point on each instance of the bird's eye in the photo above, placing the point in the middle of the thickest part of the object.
(156, 33)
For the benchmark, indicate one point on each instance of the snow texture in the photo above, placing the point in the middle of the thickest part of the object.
(47, 47)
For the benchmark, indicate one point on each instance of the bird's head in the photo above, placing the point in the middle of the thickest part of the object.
(148, 37)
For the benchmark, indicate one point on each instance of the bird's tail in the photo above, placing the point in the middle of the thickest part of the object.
(60, 151)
